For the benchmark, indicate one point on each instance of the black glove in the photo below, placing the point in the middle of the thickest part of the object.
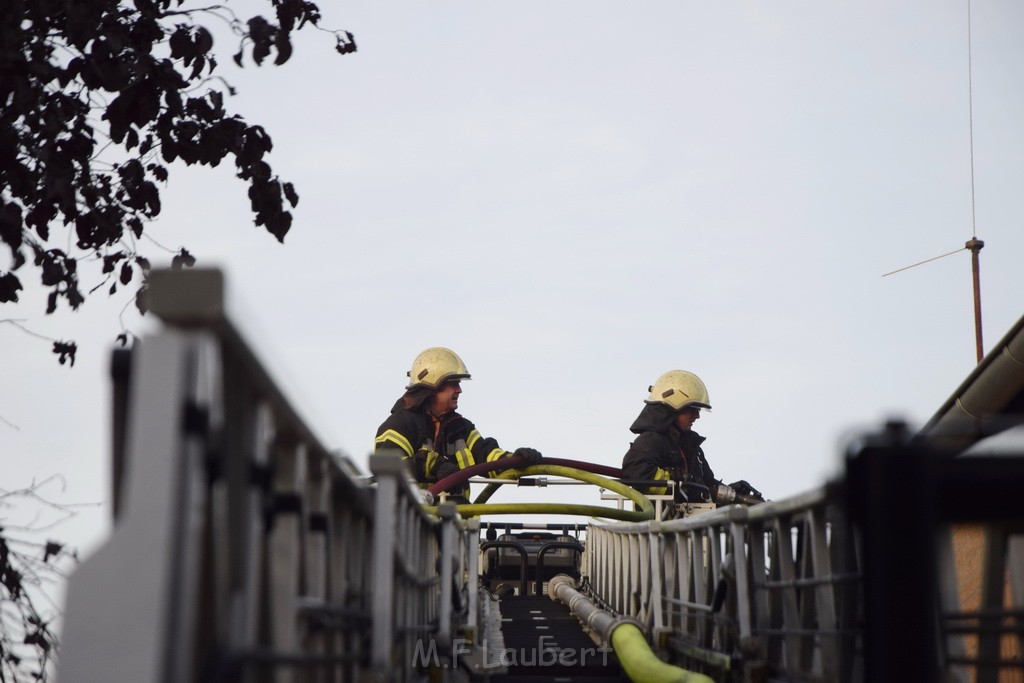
(744, 489)
(444, 468)
(687, 488)
(680, 474)
(531, 455)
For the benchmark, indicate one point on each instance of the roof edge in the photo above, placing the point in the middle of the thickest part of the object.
(977, 408)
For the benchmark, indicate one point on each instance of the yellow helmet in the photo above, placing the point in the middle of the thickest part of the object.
(434, 366)
(679, 389)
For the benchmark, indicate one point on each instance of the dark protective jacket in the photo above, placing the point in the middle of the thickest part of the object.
(435, 447)
(663, 452)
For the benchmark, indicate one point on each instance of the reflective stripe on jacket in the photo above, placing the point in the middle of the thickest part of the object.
(436, 447)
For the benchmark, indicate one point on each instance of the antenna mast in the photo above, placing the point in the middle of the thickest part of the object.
(975, 245)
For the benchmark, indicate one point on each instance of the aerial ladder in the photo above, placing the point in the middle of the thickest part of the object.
(243, 549)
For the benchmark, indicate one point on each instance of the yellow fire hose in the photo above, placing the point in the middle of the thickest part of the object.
(645, 512)
(627, 640)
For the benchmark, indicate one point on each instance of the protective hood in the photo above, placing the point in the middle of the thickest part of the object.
(413, 399)
(658, 417)
(655, 417)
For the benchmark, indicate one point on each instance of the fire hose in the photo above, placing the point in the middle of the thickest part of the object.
(627, 640)
(644, 511)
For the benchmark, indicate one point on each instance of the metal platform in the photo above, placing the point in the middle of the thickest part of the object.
(544, 641)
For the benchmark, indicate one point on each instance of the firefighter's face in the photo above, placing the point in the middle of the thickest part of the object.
(686, 417)
(446, 398)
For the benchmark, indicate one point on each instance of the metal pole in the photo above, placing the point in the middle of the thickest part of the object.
(388, 469)
(975, 245)
(446, 511)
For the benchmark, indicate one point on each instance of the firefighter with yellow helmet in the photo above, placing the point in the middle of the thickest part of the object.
(424, 424)
(668, 449)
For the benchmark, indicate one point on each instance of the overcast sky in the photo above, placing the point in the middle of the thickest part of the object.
(579, 196)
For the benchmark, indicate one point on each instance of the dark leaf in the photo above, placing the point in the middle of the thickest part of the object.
(10, 225)
(52, 549)
(39, 218)
(182, 259)
(181, 44)
(290, 194)
(159, 172)
(111, 260)
(284, 48)
(152, 199)
(130, 172)
(66, 351)
(197, 67)
(135, 225)
(346, 44)
(279, 224)
(74, 296)
(88, 230)
(117, 115)
(261, 33)
(140, 301)
(286, 12)
(203, 41)
(126, 273)
(261, 170)
(53, 272)
(9, 286)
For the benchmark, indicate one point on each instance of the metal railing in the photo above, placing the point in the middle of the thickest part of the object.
(738, 592)
(243, 550)
(909, 568)
(422, 596)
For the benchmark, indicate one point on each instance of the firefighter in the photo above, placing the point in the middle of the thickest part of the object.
(435, 440)
(667, 448)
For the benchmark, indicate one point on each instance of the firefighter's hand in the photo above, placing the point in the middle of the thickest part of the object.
(444, 468)
(531, 455)
(680, 474)
(745, 489)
